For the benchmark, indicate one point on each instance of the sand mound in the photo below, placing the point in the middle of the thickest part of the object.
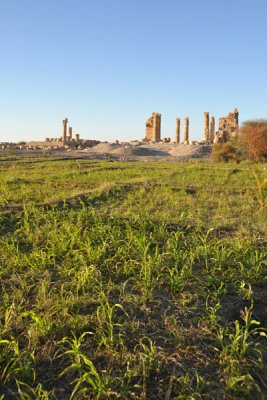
(134, 151)
(125, 151)
(145, 152)
(105, 147)
(167, 152)
(195, 151)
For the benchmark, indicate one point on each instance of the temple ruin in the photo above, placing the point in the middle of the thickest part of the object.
(153, 128)
(228, 127)
(64, 134)
(186, 130)
(206, 127)
(66, 140)
(212, 130)
(177, 131)
(209, 129)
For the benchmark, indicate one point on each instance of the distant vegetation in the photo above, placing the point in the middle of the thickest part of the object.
(251, 144)
(132, 280)
(229, 151)
(253, 136)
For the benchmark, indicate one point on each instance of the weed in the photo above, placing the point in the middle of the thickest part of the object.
(88, 381)
(261, 190)
(127, 280)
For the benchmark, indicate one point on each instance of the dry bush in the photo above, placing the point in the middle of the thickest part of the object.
(253, 136)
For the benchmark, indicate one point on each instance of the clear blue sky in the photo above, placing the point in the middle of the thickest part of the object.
(107, 64)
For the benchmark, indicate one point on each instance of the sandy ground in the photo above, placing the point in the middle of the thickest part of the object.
(127, 152)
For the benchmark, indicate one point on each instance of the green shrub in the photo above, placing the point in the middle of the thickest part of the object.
(225, 152)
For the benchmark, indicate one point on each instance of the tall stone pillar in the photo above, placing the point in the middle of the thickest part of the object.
(153, 128)
(206, 127)
(212, 129)
(70, 132)
(186, 130)
(156, 127)
(177, 132)
(65, 124)
(77, 137)
(149, 126)
(158, 138)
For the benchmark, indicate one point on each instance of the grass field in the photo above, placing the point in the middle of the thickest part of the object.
(132, 280)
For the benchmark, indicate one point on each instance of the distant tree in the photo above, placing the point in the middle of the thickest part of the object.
(253, 136)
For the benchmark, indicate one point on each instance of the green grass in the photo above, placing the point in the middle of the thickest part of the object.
(132, 280)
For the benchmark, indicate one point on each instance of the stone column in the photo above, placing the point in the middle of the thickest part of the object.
(156, 128)
(77, 137)
(65, 123)
(177, 132)
(206, 127)
(212, 129)
(186, 130)
(149, 124)
(70, 132)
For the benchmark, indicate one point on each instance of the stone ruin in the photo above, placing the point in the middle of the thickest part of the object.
(177, 131)
(186, 130)
(209, 129)
(228, 127)
(66, 140)
(153, 128)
